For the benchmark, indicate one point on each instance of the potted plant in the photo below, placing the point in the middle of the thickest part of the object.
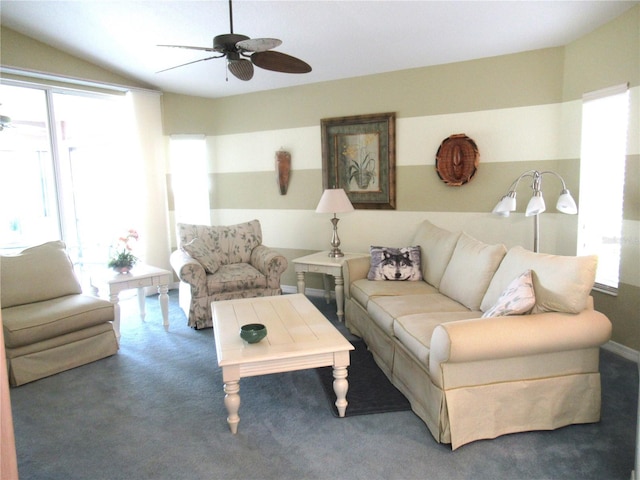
(122, 259)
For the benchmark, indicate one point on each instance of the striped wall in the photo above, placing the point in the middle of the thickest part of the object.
(523, 111)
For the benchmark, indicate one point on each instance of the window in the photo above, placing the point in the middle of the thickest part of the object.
(65, 170)
(190, 182)
(605, 116)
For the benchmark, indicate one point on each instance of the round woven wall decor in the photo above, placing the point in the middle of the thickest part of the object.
(457, 160)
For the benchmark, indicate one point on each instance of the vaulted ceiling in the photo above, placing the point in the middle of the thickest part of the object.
(339, 39)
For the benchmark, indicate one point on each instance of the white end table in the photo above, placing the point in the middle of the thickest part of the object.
(322, 263)
(139, 277)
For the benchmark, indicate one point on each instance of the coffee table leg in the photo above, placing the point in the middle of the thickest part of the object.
(232, 402)
(340, 386)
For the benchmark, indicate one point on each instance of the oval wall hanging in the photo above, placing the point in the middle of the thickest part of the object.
(457, 160)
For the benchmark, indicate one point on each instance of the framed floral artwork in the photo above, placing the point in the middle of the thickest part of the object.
(359, 155)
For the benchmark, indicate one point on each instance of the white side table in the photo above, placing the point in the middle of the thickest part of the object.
(322, 263)
(139, 277)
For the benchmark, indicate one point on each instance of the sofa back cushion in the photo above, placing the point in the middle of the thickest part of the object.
(36, 274)
(561, 283)
(436, 247)
(232, 243)
(470, 271)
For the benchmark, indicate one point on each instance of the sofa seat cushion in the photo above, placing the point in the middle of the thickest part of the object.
(36, 322)
(470, 270)
(234, 277)
(384, 310)
(414, 331)
(362, 290)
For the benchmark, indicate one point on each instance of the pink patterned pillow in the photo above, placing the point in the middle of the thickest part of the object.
(517, 299)
(199, 251)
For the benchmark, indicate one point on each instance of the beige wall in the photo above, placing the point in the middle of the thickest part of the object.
(523, 111)
(609, 56)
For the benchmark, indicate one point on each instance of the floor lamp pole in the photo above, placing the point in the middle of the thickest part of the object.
(536, 232)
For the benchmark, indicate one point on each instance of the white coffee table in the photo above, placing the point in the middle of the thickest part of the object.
(298, 337)
(139, 277)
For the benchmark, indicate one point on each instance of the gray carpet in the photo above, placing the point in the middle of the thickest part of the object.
(155, 411)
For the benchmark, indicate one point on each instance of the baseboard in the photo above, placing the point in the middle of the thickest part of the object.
(622, 350)
(310, 292)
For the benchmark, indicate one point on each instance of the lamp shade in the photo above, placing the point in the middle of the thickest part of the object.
(535, 206)
(334, 200)
(566, 203)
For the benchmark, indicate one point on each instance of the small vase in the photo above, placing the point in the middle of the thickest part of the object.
(125, 269)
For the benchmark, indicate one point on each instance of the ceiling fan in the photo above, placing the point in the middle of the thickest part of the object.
(256, 51)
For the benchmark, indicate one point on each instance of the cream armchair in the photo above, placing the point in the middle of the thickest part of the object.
(49, 325)
(222, 263)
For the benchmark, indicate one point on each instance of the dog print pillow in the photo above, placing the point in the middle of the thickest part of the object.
(397, 264)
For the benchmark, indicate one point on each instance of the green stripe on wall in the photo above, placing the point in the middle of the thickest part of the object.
(418, 188)
(529, 78)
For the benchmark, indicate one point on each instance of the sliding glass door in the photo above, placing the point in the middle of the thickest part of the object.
(65, 170)
(28, 192)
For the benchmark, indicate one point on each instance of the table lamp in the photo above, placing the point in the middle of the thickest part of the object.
(334, 200)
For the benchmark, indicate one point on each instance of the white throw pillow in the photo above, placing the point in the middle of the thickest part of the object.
(517, 299)
(198, 250)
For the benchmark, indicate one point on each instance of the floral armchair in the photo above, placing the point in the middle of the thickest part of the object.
(223, 263)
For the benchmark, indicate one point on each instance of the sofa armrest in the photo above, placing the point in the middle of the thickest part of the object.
(270, 263)
(354, 269)
(189, 270)
(515, 336)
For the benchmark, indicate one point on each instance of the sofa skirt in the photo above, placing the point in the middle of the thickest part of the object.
(33, 362)
(459, 414)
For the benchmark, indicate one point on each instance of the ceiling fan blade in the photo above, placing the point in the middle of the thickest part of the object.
(189, 63)
(279, 62)
(242, 69)
(206, 49)
(258, 44)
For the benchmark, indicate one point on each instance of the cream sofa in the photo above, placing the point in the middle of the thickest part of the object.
(49, 325)
(471, 378)
(223, 263)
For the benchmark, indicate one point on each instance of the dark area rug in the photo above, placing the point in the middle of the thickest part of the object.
(370, 391)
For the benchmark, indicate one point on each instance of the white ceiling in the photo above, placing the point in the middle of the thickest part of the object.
(339, 39)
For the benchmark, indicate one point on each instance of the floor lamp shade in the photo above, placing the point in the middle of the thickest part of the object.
(334, 200)
(536, 206)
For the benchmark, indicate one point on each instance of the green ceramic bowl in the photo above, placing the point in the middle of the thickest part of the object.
(253, 332)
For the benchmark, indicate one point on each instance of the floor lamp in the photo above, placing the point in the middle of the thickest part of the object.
(334, 200)
(565, 204)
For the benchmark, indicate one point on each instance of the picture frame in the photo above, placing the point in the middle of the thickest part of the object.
(359, 156)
